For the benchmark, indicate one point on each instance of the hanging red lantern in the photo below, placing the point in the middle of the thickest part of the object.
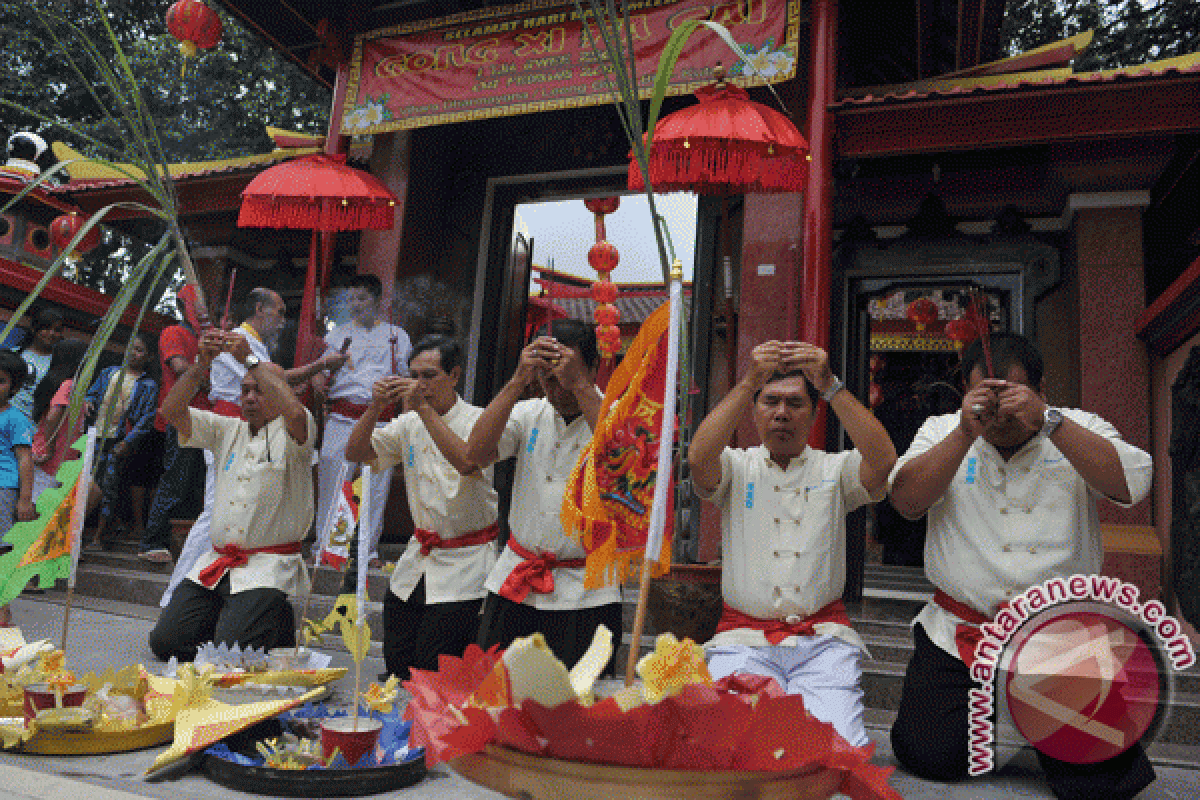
(603, 257)
(607, 314)
(961, 332)
(195, 25)
(922, 311)
(64, 228)
(877, 363)
(604, 291)
(874, 395)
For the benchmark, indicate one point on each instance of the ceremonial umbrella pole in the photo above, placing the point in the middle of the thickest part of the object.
(83, 487)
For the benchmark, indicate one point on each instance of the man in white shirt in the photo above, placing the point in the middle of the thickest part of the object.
(432, 605)
(262, 317)
(1008, 485)
(376, 349)
(237, 592)
(537, 582)
(783, 529)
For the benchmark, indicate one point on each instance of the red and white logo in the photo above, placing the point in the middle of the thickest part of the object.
(1081, 686)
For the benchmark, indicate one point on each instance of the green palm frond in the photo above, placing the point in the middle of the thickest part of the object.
(109, 79)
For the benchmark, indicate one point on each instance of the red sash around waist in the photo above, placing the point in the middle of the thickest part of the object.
(348, 409)
(966, 637)
(776, 630)
(233, 556)
(227, 409)
(534, 573)
(430, 540)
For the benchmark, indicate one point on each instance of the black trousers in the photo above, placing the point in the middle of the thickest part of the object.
(569, 633)
(930, 736)
(253, 618)
(416, 633)
(180, 491)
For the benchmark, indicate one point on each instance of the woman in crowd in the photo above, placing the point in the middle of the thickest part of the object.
(124, 413)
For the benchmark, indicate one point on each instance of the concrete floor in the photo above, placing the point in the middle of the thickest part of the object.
(106, 637)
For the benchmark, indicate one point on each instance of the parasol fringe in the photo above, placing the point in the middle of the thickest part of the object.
(322, 214)
(744, 165)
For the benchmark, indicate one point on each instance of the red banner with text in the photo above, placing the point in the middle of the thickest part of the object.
(536, 57)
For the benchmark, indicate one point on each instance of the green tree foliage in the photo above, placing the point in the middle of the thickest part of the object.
(1128, 32)
(217, 109)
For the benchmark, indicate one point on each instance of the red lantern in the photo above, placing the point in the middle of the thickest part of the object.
(604, 291)
(602, 205)
(63, 229)
(877, 363)
(961, 331)
(607, 314)
(603, 257)
(922, 311)
(195, 25)
(874, 395)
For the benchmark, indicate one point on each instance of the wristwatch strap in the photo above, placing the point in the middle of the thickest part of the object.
(837, 386)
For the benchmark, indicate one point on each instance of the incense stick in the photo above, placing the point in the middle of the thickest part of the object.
(984, 328)
(225, 316)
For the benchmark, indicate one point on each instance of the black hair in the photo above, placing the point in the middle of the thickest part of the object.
(449, 351)
(574, 333)
(17, 369)
(249, 306)
(42, 320)
(68, 353)
(813, 394)
(1008, 350)
(369, 282)
(151, 342)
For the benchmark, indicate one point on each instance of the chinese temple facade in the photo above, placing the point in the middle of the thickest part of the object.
(939, 168)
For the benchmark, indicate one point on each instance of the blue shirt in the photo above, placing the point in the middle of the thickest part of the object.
(15, 429)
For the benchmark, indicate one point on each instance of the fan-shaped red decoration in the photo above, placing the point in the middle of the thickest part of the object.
(64, 228)
(725, 144)
(195, 25)
(922, 311)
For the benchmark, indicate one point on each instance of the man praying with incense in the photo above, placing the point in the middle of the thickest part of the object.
(1008, 485)
(263, 507)
(783, 529)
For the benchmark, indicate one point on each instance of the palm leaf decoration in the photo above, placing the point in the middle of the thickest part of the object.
(109, 79)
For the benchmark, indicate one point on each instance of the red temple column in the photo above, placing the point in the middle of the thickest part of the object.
(818, 214)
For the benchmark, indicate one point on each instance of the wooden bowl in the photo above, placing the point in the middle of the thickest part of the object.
(522, 775)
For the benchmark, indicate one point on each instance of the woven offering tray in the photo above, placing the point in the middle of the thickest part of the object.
(314, 782)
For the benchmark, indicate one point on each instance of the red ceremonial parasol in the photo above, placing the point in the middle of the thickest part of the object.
(322, 193)
(725, 144)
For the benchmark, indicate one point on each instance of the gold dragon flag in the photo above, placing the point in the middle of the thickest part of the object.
(607, 500)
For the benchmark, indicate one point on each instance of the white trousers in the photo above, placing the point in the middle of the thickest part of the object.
(823, 669)
(333, 456)
(199, 538)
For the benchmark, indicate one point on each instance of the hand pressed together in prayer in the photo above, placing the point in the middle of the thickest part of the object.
(389, 390)
(538, 359)
(994, 403)
(774, 356)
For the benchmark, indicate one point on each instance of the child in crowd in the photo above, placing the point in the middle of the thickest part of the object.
(51, 404)
(16, 461)
(47, 331)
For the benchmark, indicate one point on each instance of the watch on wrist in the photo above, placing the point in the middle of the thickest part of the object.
(837, 386)
(1051, 419)
(252, 361)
